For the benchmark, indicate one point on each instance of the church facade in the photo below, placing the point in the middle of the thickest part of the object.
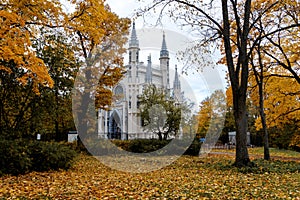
(122, 120)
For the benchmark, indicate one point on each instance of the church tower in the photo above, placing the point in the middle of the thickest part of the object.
(148, 77)
(164, 64)
(177, 88)
(133, 46)
(134, 51)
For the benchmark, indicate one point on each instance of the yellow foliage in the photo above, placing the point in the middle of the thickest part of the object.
(229, 97)
(92, 27)
(281, 100)
(15, 46)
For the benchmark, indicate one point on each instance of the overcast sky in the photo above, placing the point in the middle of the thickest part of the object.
(200, 84)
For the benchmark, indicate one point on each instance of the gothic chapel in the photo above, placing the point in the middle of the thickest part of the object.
(122, 120)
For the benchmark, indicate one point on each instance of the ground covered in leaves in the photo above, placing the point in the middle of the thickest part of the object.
(188, 178)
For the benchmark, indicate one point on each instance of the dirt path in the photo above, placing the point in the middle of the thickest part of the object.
(257, 156)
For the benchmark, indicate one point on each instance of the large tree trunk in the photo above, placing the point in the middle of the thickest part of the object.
(238, 74)
(241, 122)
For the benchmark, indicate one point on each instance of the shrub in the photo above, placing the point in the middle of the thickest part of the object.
(150, 145)
(18, 156)
(14, 158)
(102, 147)
(50, 155)
(141, 145)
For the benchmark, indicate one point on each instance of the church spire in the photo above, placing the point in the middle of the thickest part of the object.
(176, 84)
(133, 46)
(164, 51)
(177, 95)
(148, 77)
(133, 42)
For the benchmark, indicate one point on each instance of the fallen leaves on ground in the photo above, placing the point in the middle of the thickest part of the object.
(187, 178)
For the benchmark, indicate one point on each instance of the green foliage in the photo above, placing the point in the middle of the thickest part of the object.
(159, 113)
(150, 145)
(20, 156)
(14, 157)
(23, 113)
(135, 146)
(50, 155)
(144, 146)
(281, 137)
(102, 147)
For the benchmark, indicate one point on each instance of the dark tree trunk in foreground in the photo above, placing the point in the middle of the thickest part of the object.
(241, 122)
(238, 74)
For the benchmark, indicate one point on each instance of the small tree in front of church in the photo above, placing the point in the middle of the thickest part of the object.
(159, 113)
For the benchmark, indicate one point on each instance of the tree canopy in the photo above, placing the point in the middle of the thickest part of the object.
(159, 113)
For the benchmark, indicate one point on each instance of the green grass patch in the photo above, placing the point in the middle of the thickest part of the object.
(260, 152)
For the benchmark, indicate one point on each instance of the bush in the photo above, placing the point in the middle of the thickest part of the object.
(50, 155)
(14, 158)
(141, 145)
(19, 157)
(150, 145)
(102, 147)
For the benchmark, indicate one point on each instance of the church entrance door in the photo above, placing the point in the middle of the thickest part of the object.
(114, 126)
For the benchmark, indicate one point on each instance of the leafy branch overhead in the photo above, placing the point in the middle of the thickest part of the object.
(92, 28)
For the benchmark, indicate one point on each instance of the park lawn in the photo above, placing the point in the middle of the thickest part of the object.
(187, 178)
(275, 152)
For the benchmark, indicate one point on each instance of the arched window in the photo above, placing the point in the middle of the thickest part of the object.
(119, 90)
(119, 93)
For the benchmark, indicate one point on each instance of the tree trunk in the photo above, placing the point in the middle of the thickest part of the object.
(266, 137)
(260, 83)
(263, 120)
(241, 122)
(160, 136)
(165, 136)
(1, 111)
(238, 76)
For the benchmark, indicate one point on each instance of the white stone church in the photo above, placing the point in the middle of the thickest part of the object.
(122, 120)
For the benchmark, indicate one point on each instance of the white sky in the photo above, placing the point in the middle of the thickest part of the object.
(201, 84)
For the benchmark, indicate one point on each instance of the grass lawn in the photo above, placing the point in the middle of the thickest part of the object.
(260, 152)
(187, 178)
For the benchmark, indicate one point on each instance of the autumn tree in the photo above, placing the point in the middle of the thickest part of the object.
(19, 24)
(62, 64)
(23, 112)
(100, 36)
(95, 35)
(159, 113)
(277, 50)
(230, 25)
(204, 117)
(211, 117)
(281, 106)
(258, 70)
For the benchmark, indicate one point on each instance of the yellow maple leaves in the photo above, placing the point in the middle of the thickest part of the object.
(21, 21)
(17, 19)
(187, 178)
